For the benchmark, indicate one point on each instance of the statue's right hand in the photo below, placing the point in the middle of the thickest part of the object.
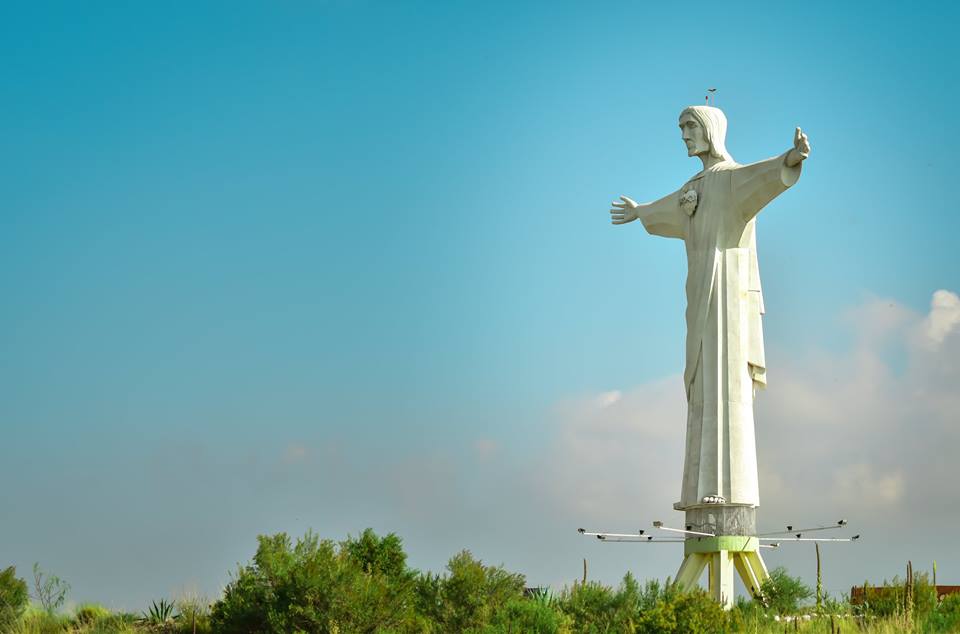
(623, 212)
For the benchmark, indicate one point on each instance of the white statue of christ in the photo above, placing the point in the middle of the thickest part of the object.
(714, 213)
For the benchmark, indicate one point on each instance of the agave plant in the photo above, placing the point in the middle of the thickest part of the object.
(160, 613)
(542, 596)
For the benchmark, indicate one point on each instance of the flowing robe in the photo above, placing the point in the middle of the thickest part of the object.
(724, 349)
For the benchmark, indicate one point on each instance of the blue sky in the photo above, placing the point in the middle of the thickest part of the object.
(272, 266)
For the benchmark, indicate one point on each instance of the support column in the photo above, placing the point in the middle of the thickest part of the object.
(757, 567)
(750, 580)
(721, 578)
(688, 577)
(723, 555)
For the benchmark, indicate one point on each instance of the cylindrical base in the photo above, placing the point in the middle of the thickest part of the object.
(722, 519)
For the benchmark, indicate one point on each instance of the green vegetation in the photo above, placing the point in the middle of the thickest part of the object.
(13, 598)
(363, 584)
(160, 614)
(50, 590)
(784, 593)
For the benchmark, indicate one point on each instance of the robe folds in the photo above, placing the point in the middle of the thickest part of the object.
(724, 348)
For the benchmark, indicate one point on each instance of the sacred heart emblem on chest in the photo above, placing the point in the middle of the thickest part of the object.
(688, 201)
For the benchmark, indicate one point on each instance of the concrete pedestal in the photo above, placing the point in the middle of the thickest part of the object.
(734, 548)
(722, 519)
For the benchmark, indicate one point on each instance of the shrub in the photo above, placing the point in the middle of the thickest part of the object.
(373, 554)
(286, 588)
(830, 605)
(471, 594)
(924, 595)
(113, 624)
(50, 590)
(783, 593)
(749, 614)
(685, 613)
(37, 620)
(14, 598)
(653, 592)
(945, 617)
(591, 607)
(526, 616)
(889, 599)
(90, 613)
(313, 586)
(194, 615)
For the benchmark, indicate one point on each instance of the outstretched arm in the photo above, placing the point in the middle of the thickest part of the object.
(660, 218)
(757, 184)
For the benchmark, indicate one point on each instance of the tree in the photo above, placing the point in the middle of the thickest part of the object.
(374, 554)
(591, 607)
(784, 593)
(49, 590)
(685, 613)
(14, 598)
(314, 586)
(470, 595)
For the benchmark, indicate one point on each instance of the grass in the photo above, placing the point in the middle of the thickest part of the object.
(95, 619)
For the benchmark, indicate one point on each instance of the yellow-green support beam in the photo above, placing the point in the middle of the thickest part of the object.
(688, 577)
(723, 555)
(720, 585)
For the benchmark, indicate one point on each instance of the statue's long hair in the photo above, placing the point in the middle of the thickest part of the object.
(714, 124)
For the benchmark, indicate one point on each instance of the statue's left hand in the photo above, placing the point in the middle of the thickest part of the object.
(623, 212)
(801, 149)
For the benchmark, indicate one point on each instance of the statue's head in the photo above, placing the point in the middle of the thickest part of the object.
(704, 129)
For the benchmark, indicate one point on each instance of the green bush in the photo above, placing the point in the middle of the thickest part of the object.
(748, 615)
(374, 554)
(783, 593)
(924, 596)
(314, 586)
(889, 599)
(945, 617)
(114, 624)
(590, 607)
(830, 605)
(594, 607)
(37, 620)
(685, 613)
(14, 598)
(526, 616)
(470, 595)
(90, 613)
(285, 588)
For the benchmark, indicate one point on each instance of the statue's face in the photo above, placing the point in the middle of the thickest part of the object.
(693, 135)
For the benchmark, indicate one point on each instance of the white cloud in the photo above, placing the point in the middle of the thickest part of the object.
(860, 484)
(840, 432)
(605, 399)
(617, 451)
(944, 315)
(862, 431)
